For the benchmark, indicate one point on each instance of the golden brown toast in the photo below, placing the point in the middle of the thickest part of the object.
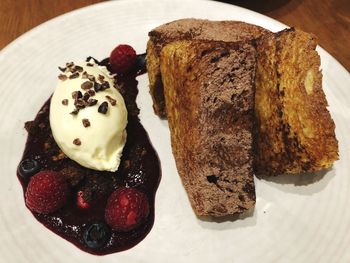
(295, 130)
(228, 31)
(209, 92)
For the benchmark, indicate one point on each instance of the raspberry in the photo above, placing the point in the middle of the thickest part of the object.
(126, 209)
(122, 59)
(47, 191)
(81, 201)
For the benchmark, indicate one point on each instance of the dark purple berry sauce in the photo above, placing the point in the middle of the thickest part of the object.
(139, 168)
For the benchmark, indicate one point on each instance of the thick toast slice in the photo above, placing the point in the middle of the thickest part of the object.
(295, 130)
(209, 92)
(228, 31)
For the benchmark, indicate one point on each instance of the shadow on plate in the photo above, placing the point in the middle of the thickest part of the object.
(298, 179)
(245, 219)
(302, 184)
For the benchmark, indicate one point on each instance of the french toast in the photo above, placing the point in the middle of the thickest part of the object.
(228, 31)
(295, 132)
(209, 92)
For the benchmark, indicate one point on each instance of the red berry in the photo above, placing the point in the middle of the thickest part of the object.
(126, 209)
(122, 59)
(81, 202)
(47, 191)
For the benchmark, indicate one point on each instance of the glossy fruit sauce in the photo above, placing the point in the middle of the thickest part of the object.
(139, 168)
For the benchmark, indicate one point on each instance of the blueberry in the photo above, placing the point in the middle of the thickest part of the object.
(28, 167)
(97, 235)
(140, 64)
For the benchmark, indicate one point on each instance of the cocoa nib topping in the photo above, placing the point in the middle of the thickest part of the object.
(79, 68)
(72, 69)
(77, 141)
(91, 102)
(75, 68)
(87, 85)
(105, 85)
(77, 94)
(92, 58)
(103, 108)
(74, 75)
(62, 77)
(79, 104)
(101, 87)
(69, 64)
(62, 69)
(86, 122)
(91, 92)
(75, 112)
(97, 87)
(86, 96)
(65, 102)
(112, 101)
(84, 75)
(91, 77)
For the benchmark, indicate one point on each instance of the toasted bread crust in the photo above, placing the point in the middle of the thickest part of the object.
(295, 130)
(209, 91)
(186, 29)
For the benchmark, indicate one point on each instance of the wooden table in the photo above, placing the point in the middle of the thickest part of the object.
(328, 19)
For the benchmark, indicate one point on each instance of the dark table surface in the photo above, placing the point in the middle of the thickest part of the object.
(329, 20)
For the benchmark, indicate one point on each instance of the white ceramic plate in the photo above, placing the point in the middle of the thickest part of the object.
(296, 219)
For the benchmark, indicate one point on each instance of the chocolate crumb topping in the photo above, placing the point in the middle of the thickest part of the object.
(77, 141)
(62, 69)
(65, 102)
(62, 77)
(77, 94)
(101, 77)
(91, 102)
(112, 101)
(86, 122)
(89, 64)
(74, 75)
(87, 85)
(103, 108)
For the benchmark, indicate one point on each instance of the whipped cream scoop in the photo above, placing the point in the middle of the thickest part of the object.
(88, 116)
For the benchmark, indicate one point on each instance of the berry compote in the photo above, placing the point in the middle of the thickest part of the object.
(84, 225)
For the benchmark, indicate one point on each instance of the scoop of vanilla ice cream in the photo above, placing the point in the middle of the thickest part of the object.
(92, 136)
